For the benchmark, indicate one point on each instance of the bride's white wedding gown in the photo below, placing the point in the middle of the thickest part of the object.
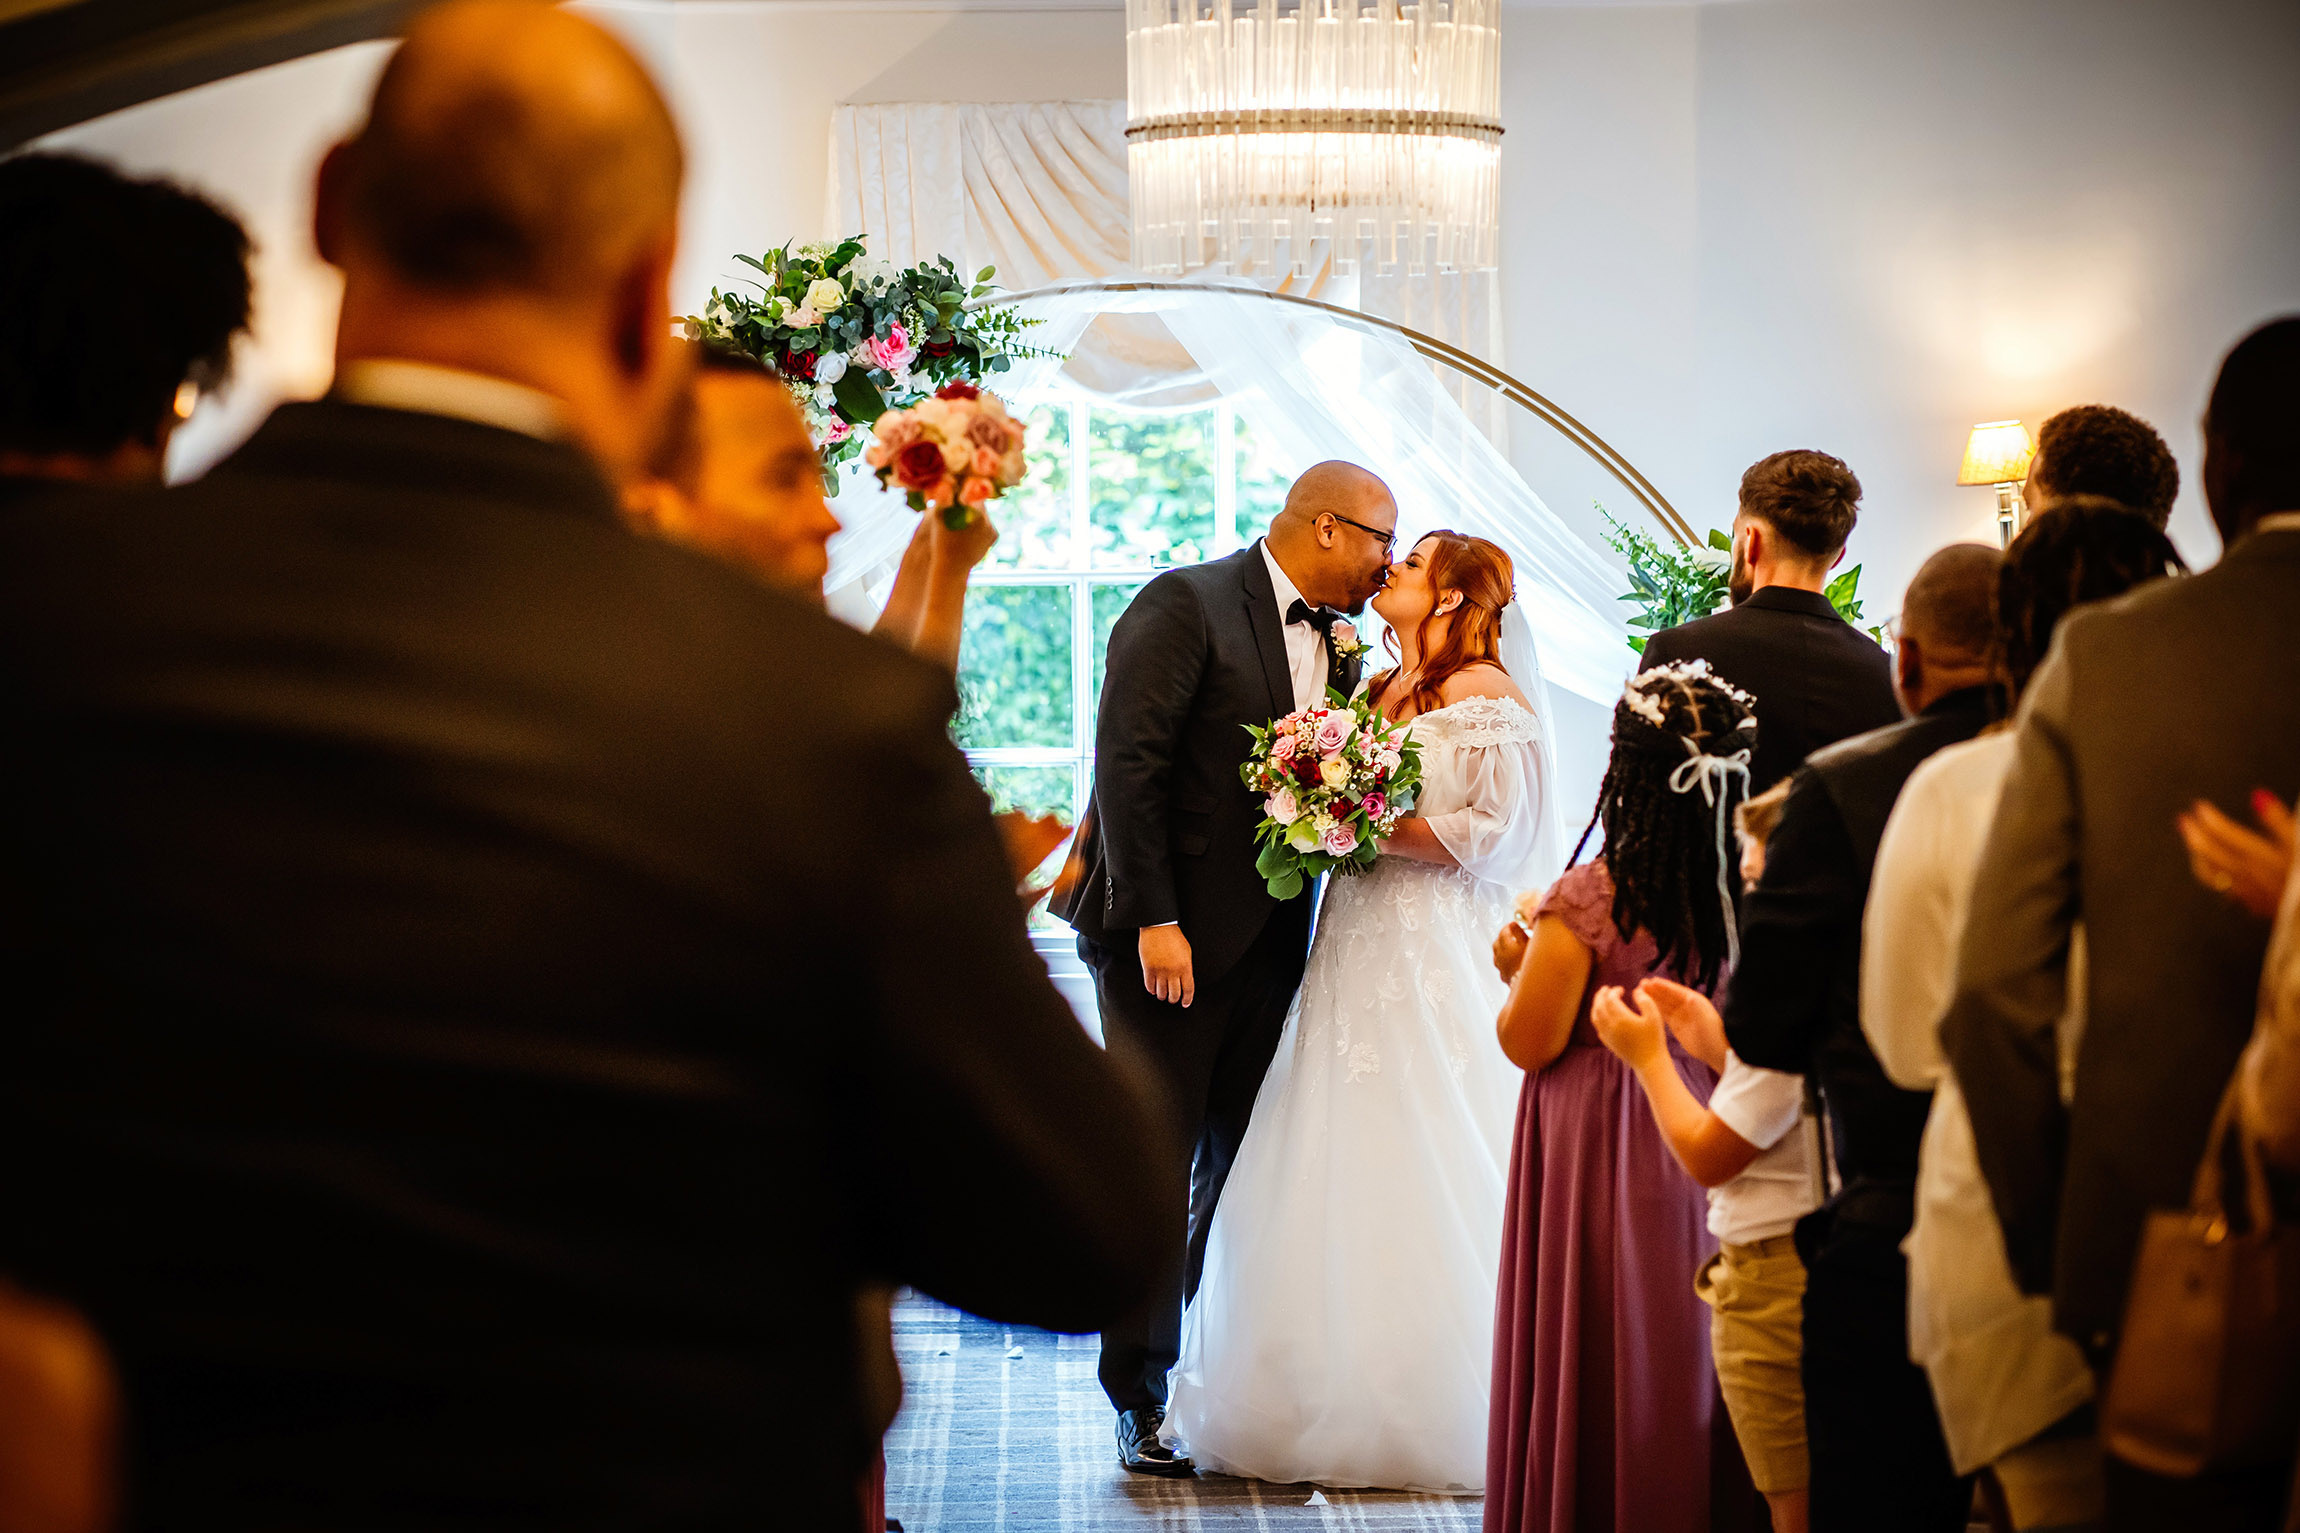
(1343, 1330)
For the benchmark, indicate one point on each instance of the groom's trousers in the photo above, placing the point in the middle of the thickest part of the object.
(1211, 1057)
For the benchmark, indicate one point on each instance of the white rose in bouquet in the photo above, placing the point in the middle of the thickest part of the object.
(830, 367)
(802, 319)
(824, 294)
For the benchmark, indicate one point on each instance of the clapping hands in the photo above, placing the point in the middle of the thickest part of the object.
(1636, 1037)
(1691, 1018)
(1635, 1025)
(2246, 866)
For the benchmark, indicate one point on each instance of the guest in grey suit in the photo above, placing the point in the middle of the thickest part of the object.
(2144, 705)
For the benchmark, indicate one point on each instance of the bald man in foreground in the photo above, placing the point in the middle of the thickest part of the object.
(489, 992)
(1194, 963)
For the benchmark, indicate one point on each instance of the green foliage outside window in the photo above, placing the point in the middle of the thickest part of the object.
(1014, 667)
(1262, 482)
(1151, 483)
(1034, 518)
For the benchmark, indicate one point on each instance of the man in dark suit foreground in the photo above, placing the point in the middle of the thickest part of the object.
(1816, 679)
(489, 992)
(1878, 1458)
(2177, 692)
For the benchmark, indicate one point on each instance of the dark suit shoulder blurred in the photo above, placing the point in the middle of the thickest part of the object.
(509, 984)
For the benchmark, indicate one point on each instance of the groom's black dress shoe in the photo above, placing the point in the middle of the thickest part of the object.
(1140, 1450)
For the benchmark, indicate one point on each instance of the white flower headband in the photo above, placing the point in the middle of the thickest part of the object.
(1710, 772)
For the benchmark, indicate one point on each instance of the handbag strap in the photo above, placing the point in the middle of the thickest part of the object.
(2207, 1199)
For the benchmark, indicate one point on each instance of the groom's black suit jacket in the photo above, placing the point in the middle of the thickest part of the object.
(484, 990)
(1197, 657)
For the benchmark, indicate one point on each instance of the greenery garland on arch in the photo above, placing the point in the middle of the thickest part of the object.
(855, 336)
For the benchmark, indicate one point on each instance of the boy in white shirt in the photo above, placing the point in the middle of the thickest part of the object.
(1746, 1148)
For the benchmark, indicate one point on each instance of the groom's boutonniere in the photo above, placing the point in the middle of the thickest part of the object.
(1345, 640)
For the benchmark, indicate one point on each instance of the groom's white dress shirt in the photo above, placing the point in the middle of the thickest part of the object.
(1305, 646)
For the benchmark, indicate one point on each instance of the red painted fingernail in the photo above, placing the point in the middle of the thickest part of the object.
(2265, 803)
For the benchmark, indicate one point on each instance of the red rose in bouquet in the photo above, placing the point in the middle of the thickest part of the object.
(919, 466)
(958, 391)
(799, 364)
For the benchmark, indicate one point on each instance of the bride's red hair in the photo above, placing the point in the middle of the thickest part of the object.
(1488, 583)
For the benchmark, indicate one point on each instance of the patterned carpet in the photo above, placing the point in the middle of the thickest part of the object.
(1007, 1429)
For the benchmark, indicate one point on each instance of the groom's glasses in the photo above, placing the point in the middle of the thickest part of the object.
(1388, 540)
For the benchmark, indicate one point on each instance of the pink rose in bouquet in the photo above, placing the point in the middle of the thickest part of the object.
(1334, 732)
(1338, 839)
(890, 352)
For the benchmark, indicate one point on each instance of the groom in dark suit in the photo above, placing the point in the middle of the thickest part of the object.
(1195, 964)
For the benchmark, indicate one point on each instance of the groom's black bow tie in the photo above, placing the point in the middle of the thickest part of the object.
(1322, 619)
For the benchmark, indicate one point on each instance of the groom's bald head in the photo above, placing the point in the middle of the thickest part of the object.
(1328, 538)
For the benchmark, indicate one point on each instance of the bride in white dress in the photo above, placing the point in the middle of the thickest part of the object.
(1343, 1330)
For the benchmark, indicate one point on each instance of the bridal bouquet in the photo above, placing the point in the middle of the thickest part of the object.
(855, 336)
(1334, 781)
(954, 451)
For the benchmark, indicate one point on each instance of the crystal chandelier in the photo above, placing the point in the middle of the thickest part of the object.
(1255, 130)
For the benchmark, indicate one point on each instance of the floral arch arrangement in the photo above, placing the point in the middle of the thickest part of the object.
(856, 337)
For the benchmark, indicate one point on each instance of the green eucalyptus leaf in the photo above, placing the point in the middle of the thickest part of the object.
(859, 399)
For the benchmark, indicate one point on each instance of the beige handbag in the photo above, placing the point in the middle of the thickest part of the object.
(2207, 1373)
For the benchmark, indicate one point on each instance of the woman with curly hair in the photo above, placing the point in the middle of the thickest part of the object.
(1602, 1381)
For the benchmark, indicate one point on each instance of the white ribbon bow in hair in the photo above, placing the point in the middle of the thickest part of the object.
(1710, 774)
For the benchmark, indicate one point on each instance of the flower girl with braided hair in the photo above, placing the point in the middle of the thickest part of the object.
(1602, 1381)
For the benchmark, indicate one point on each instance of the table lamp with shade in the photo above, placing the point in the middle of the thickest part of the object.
(1998, 453)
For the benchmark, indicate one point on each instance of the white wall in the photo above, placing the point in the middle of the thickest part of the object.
(1854, 224)
(1863, 226)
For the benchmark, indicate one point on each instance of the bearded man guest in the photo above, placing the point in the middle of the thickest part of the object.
(493, 995)
(1193, 961)
(1816, 679)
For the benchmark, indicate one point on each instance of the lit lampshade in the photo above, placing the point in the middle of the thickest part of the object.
(1997, 452)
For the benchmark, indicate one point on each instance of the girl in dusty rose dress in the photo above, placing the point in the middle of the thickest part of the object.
(1602, 1381)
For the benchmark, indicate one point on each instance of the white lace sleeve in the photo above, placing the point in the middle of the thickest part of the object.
(1500, 834)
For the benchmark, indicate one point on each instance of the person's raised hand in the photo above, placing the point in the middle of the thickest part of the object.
(957, 550)
(2245, 866)
(1634, 1035)
(1690, 1016)
(1509, 945)
(1166, 965)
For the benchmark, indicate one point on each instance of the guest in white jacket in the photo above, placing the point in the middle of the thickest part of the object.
(2014, 1395)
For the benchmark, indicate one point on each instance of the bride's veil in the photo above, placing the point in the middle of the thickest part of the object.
(1521, 657)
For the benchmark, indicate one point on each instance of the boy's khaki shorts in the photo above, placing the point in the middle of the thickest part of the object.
(1756, 1296)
